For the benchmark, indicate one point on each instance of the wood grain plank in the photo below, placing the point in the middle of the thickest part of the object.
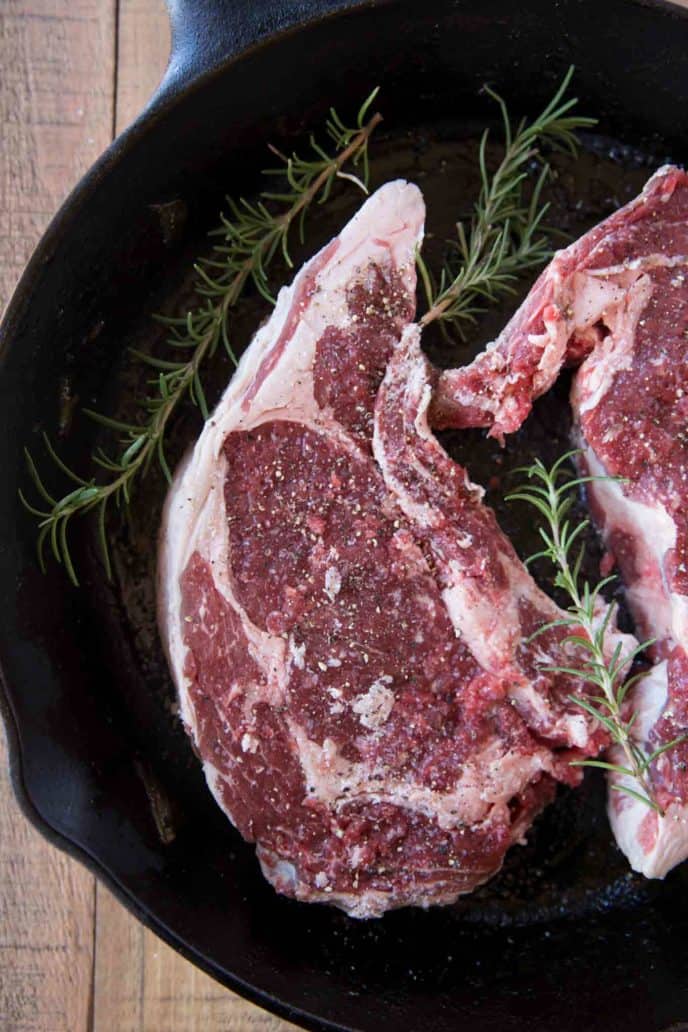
(140, 984)
(143, 46)
(118, 984)
(46, 928)
(180, 997)
(56, 110)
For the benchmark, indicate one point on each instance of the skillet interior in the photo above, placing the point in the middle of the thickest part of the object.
(89, 694)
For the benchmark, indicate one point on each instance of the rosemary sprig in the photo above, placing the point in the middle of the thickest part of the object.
(552, 493)
(506, 236)
(249, 239)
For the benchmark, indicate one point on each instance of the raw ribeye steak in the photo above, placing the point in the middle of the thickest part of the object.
(344, 620)
(620, 296)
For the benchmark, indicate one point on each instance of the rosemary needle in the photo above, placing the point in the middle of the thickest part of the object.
(552, 495)
(250, 238)
(505, 236)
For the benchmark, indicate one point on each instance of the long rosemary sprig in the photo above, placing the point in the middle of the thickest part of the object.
(506, 236)
(552, 494)
(250, 238)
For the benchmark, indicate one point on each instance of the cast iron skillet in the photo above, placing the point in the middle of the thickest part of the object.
(565, 938)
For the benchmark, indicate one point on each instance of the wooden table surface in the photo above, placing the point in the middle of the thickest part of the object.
(73, 73)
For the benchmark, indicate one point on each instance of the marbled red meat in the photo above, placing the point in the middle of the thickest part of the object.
(344, 620)
(620, 296)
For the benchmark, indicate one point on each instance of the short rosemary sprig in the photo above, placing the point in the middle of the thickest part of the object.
(250, 238)
(552, 493)
(506, 236)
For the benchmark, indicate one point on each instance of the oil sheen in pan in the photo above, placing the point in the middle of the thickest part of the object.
(570, 864)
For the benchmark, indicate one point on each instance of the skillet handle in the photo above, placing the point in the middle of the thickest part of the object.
(207, 32)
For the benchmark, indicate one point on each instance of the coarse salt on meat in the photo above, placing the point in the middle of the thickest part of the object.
(345, 622)
(617, 300)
